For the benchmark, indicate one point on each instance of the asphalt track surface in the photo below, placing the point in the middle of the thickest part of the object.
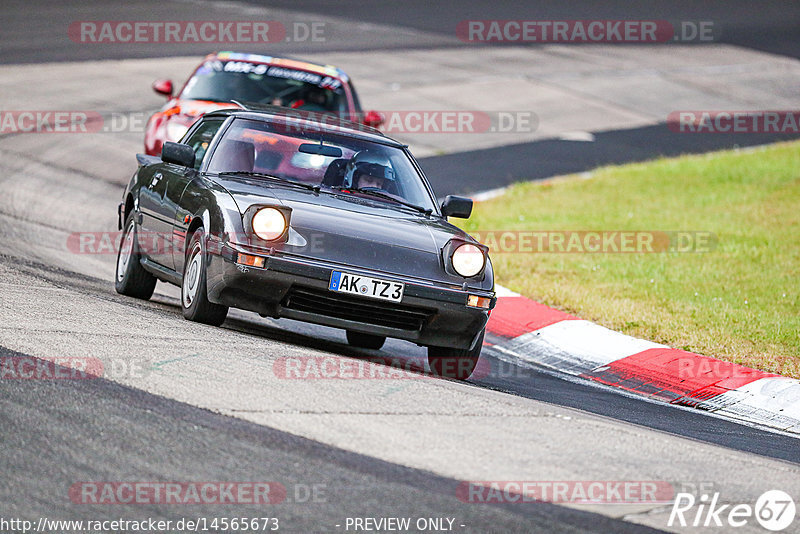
(480, 170)
(119, 431)
(34, 31)
(55, 433)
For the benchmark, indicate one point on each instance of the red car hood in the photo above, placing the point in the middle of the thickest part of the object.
(195, 108)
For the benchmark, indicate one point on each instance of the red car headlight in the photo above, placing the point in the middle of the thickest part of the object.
(176, 129)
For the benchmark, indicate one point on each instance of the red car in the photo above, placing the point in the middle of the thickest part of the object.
(231, 76)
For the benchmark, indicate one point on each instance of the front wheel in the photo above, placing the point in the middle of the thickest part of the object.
(131, 278)
(454, 363)
(194, 298)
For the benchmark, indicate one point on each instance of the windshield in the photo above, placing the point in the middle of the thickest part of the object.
(222, 81)
(365, 169)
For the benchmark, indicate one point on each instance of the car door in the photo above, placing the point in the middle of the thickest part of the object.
(154, 227)
(199, 140)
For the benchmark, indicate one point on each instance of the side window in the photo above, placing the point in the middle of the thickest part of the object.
(201, 138)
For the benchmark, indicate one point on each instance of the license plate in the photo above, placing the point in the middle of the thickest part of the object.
(365, 286)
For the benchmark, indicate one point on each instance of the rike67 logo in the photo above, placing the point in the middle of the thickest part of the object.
(774, 510)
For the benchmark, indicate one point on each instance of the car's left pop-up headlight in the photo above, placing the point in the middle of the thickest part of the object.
(269, 224)
(176, 129)
(468, 260)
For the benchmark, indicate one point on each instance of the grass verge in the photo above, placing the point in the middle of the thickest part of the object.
(738, 302)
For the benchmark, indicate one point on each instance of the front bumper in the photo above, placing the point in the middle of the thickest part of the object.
(297, 288)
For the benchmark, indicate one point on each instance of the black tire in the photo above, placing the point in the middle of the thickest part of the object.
(194, 298)
(131, 279)
(454, 363)
(365, 341)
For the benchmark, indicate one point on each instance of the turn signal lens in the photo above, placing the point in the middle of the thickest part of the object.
(269, 224)
(252, 261)
(478, 302)
(468, 260)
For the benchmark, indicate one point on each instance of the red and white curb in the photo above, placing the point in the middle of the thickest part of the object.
(553, 339)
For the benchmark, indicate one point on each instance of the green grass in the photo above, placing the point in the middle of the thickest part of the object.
(739, 302)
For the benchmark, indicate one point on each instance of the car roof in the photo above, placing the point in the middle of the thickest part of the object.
(324, 70)
(323, 123)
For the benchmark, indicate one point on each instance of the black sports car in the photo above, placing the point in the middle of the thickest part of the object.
(289, 216)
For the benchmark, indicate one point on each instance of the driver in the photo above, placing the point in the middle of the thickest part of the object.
(368, 169)
(316, 100)
(366, 180)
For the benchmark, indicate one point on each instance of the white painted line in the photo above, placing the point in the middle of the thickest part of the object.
(586, 137)
(488, 195)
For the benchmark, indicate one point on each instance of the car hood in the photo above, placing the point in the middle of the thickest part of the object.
(194, 108)
(354, 230)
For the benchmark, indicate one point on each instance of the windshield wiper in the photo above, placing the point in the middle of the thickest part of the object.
(387, 196)
(312, 187)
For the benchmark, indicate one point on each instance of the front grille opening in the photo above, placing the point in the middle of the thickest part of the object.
(380, 313)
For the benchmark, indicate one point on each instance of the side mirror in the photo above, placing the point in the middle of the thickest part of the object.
(177, 153)
(163, 87)
(454, 206)
(373, 119)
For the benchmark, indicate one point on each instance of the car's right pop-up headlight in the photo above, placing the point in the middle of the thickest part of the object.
(468, 260)
(464, 259)
(269, 224)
